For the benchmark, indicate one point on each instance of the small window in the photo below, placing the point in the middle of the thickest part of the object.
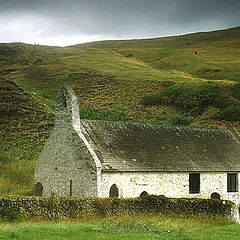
(70, 188)
(232, 182)
(65, 103)
(194, 183)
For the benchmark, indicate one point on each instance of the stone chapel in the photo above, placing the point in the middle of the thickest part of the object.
(93, 158)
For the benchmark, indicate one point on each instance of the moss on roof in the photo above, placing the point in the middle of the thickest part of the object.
(140, 147)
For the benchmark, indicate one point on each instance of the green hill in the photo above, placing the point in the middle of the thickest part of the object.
(151, 80)
(218, 57)
(25, 125)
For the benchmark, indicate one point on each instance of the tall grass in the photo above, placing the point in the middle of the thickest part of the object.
(16, 177)
(24, 128)
(143, 227)
(195, 99)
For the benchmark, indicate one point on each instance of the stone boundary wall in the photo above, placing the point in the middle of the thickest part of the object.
(73, 208)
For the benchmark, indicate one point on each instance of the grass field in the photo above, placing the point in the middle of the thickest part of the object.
(153, 227)
(153, 80)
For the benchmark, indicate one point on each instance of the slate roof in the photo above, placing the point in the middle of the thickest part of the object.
(141, 147)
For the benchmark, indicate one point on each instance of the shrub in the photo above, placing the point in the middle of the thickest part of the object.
(151, 99)
(153, 197)
(167, 83)
(180, 120)
(199, 97)
(5, 158)
(208, 72)
(195, 99)
(23, 61)
(235, 90)
(39, 60)
(230, 113)
(9, 214)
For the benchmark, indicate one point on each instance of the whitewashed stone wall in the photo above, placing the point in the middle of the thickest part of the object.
(174, 185)
(67, 165)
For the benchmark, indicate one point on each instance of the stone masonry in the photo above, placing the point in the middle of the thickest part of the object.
(67, 166)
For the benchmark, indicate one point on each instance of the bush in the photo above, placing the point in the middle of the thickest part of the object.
(39, 60)
(167, 83)
(235, 90)
(9, 214)
(5, 158)
(195, 99)
(230, 113)
(187, 98)
(23, 61)
(153, 197)
(180, 120)
(129, 55)
(209, 73)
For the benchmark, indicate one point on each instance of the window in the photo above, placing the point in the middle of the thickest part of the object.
(194, 182)
(144, 193)
(232, 182)
(114, 193)
(38, 189)
(70, 188)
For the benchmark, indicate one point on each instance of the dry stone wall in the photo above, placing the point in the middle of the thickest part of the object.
(73, 208)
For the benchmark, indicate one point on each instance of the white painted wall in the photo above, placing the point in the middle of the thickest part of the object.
(169, 184)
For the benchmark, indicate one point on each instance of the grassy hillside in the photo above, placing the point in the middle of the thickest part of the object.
(153, 80)
(218, 57)
(25, 125)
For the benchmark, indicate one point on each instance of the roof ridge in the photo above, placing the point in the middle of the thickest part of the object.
(160, 125)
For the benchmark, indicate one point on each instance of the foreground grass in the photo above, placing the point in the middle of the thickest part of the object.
(154, 227)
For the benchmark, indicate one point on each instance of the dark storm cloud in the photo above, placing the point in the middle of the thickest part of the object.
(118, 18)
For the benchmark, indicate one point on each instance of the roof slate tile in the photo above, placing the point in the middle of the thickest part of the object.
(162, 148)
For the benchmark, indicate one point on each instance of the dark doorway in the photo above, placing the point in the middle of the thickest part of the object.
(38, 189)
(215, 196)
(114, 191)
(144, 193)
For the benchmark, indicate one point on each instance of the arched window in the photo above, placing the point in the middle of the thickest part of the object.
(38, 189)
(215, 196)
(114, 191)
(144, 193)
(65, 103)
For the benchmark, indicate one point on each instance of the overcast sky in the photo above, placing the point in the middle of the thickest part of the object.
(62, 23)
